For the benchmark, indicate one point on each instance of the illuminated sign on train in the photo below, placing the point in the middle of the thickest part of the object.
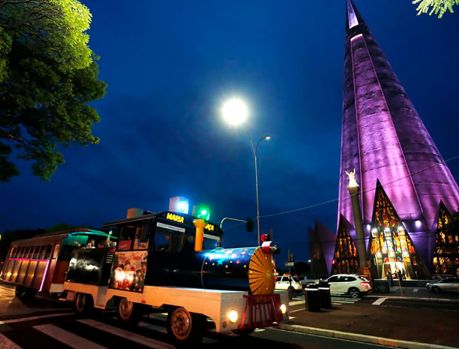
(175, 217)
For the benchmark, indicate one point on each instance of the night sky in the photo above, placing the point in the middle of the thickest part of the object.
(170, 64)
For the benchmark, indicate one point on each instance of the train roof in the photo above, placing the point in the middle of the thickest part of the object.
(62, 234)
(188, 220)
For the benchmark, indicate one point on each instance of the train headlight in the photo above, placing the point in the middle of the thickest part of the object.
(233, 316)
(283, 308)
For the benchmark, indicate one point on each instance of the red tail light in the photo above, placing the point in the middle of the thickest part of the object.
(364, 283)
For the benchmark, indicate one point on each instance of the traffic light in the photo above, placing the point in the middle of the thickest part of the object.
(249, 225)
(202, 211)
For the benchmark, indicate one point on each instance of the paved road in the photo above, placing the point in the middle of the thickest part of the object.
(437, 304)
(14, 307)
(66, 331)
(46, 323)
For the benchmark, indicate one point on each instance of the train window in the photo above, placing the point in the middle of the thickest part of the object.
(48, 251)
(127, 235)
(163, 241)
(42, 252)
(36, 252)
(177, 242)
(169, 241)
(141, 237)
(76, 240)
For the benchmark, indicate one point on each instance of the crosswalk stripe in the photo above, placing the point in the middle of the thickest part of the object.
(379, 301)
(334, 299)
(134, 337)
(32, 318)
(66, 337)
(6, 343)
(342, 301)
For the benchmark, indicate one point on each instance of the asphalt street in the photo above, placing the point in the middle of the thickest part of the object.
(45, 323)
(66, 331)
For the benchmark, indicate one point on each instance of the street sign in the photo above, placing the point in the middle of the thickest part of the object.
(289, 264)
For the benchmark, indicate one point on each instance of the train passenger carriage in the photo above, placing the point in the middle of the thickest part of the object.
(40, 264)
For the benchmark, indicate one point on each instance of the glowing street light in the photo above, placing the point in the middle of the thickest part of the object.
(235, 112)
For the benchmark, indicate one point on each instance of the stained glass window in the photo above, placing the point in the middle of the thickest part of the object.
(446, 252)
(391, 248)
(345, 258)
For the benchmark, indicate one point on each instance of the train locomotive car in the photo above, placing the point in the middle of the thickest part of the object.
(174, 262)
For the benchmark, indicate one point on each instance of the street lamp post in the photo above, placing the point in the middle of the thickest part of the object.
(235, 112)
(255, 159)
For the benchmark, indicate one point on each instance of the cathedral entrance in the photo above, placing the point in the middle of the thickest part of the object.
(391, 249)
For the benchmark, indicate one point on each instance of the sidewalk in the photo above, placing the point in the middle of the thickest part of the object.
(407, 327)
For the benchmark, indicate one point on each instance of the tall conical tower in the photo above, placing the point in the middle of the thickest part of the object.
(402, 176)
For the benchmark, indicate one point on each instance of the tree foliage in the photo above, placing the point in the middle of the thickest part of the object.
(48, 75)
(436, 7)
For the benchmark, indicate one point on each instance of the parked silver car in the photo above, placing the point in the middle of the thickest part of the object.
(444, 285)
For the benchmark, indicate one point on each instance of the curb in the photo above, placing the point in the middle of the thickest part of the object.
(447, 300)
(361, 337)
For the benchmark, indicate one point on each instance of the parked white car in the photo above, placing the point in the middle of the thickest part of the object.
(351, 284)
(287, 282)
(306, 281)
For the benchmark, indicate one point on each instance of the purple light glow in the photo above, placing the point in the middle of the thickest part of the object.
(351, 16)
(384, 139)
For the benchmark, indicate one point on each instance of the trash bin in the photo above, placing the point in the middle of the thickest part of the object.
(312, 297)
(381, 286)
(324, 295)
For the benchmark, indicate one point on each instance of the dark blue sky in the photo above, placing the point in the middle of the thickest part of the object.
(170, 64)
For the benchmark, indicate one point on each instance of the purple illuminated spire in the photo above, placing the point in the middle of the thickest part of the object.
(384, 139)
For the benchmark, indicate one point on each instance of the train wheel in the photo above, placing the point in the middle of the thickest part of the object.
(19, 291)
(84, 305)
(129, 313)
(24, 292)
(184, 327)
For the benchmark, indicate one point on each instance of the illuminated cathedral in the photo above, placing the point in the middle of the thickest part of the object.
(407, 193)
